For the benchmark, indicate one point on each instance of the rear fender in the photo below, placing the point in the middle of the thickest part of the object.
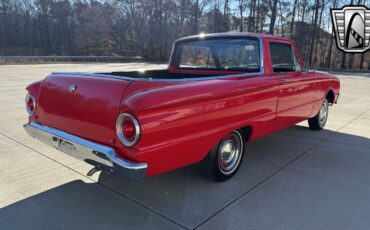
(181, 123)
(34, 89)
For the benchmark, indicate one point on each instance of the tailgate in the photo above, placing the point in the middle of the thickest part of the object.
(86, 106)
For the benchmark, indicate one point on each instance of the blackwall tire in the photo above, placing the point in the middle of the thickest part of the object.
(318, 122)
(225, 158)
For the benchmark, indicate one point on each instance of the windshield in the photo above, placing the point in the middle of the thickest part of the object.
(219, 54)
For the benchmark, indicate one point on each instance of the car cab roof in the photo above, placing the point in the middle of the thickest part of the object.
(231, 34)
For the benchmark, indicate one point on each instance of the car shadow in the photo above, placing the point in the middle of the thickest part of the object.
(183, 196)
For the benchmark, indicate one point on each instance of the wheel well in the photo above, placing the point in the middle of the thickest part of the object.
(330, 97)
(246, 132)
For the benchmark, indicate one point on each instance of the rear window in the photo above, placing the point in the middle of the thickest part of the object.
(219, 54)
(282, 57)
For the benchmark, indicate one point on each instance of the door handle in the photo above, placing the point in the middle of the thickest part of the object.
(283, 81)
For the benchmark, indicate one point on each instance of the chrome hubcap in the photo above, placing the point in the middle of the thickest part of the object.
(230, 152)
(323, 113)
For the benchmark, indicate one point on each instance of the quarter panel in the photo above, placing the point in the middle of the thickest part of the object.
(181, 123)
(324, 83)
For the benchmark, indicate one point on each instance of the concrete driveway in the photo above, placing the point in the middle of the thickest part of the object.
(294, 179)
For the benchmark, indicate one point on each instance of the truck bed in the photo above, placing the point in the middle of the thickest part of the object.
(156, 74)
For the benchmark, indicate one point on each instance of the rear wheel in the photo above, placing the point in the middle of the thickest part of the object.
(224, 160)
(318, 122)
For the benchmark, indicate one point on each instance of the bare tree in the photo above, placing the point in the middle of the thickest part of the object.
(331, 41)
(241, 10)
(273, 8)
(314, 31)
(293, 18)
(226, 12)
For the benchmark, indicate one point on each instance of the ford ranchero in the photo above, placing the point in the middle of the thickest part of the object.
(218, 92)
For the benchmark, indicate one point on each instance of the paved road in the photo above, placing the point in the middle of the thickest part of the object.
(294, 179)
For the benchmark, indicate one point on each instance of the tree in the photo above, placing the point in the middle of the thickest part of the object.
(314, 31)
(293, 18)
(241, 10)
(331, 41)
(273, 8)
(94, 37)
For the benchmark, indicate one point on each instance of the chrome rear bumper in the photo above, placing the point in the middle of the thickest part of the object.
(88, 151)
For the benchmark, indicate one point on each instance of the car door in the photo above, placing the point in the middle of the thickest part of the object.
(296, 87)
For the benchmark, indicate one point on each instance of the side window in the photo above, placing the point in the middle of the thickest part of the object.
(297, 65)
(282, 57)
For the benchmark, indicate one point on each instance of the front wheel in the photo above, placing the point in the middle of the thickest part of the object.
(225, 158)
(318, 122)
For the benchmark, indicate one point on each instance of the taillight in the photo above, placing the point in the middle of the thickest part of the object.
(30, 104)
(128, 129)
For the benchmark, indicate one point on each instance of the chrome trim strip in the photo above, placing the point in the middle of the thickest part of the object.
(29, 96)
(119, 131)
(262, 65)
(95, 75)
(261, 72)
(162, 79)
(85, 150)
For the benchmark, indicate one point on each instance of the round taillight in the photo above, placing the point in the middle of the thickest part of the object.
(30, 104)
(128, 129)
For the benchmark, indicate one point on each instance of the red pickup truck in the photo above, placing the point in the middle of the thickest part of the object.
(218, 92)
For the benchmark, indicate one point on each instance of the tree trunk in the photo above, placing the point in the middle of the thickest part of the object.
(257, 17)
(343, 63)
(196, 17)
(215, 19)
(273, 6)
(226, 5)
(318, 34)
(304, 4)
(362, 61)
(293, 17)
(254, 15)
(314, 33)
(241, 2)
(331, 41)
(251, 15)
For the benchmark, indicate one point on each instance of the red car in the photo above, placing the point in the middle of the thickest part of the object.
(219, 92)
